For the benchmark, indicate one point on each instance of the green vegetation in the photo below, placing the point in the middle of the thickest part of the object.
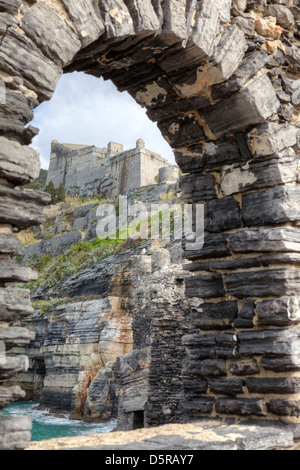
(61, 193)
(57, 195)
(46, 306)
(40, 183)
(84, 254)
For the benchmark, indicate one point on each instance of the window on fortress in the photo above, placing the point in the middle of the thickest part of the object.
(89, 111)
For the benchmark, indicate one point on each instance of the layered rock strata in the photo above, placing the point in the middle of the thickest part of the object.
(221, 81)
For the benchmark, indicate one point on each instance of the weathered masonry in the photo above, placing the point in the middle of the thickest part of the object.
(221, 81)
(86, 170)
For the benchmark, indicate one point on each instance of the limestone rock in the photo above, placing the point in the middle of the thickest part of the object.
(205, 29)
(283, 15)
(22, 208)
(14, 433)
(39, 73)
(228, 116)
(12, 366)
(50, 34)
(271, 138)
(267, 29)
(10, 394)
(15, 304)
(88, 25)
(10, 6)
(143, 15)
(15, 336)
(116, 18)
(10, 245)
(18, 163)
(260, 209)
(10, 271)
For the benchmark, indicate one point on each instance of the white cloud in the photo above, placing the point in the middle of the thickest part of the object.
(88, 110)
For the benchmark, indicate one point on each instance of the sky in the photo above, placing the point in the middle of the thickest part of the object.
(88, 110)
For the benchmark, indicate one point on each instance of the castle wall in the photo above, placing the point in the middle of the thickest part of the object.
(125, 171)
(109, 171)
(150, 166)
(74, 166)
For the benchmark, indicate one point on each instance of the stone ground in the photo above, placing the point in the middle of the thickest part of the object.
(207, 435)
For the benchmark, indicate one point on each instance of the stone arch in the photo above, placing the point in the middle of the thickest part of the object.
(226, 99)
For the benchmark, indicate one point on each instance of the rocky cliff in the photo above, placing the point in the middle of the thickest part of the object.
(221, 80)
(91, 354)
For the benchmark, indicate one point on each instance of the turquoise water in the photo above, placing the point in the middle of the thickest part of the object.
(46, 427)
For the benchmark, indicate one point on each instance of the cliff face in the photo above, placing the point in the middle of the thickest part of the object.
(76, 345)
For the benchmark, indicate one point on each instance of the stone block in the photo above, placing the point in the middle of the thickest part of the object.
(205, 286)
(241, 406)
(215, 245)
(284, 407)
(10, 271)
(206, 368)
(10, 6)
(15, 433)
(244, 367)
(224, 7)
(281, 342)
(197, 188)
(227, 56)
(116, 18)
(273, 206)
(231, 387)
(13, 365)
(248, 68)
(281, 363)
(228, 116)
(10, 245)
(201, 156)
(194, 386)
(182, 130)
(271, 138)
(143, 15)
(279, 312)
(49, 32)
(264, 283)
(222, 214)
(39, 73)
(279, 385)
(22, 208)
(199, 405)
(205, 29)
(283, 168)
(15, 304)
(281, 239)
(210, 316)
(18, 163)
(15, 336)
(88, 25)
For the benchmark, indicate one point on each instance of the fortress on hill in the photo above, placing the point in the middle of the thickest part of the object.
(86, 170)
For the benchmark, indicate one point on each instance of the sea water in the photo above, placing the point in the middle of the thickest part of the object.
(46, 426)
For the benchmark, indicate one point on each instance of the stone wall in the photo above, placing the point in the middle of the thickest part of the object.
(221, 81)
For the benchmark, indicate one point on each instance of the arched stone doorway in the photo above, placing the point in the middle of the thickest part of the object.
(225, 97)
